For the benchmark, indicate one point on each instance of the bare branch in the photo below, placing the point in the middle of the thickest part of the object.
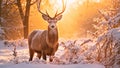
(106, 17)
(33, 2)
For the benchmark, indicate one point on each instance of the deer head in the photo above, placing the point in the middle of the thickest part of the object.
(51, 20)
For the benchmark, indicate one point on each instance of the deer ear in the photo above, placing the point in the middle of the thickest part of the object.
(59, 17)
(45, 17)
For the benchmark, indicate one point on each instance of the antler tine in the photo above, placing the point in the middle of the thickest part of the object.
(47, 13)
(56, 12)
(38, 6)
(64, 7)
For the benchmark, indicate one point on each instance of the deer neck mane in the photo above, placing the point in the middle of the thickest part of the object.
(52, 37)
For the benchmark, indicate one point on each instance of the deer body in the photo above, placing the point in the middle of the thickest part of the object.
(45, 42)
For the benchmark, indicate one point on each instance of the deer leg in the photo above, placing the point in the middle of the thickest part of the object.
(31, 52)
(39, 55)
(44, 56)
(51, 59)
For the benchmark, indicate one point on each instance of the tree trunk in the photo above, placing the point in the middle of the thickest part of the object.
(26, 19)
(25, 16)
(0, 10)
(20, 10)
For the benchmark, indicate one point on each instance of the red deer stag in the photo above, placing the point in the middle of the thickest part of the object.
(45, 42)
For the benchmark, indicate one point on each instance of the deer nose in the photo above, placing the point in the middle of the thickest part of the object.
(52, 26)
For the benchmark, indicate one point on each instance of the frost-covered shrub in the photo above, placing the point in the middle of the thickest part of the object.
(108, 38)
(2, 34)
(77, 51)
(19, 42)
(71, 52)
(110, 47)
(107, 22)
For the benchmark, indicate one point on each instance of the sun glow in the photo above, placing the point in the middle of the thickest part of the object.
(74, 18)
(97, 1)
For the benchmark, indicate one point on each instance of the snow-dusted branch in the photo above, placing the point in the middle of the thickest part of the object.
(105, 15)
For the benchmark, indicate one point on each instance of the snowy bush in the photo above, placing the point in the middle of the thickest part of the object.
(77, 51)
(71, 52)
(108, 38)
(109, 44)
(2, 34)
(19, 42)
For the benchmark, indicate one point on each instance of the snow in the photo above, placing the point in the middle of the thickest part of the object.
(8, 59)
(108, 38)
(24, 65)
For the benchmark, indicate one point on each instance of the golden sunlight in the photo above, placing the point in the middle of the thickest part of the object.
(74, 20)
(97, 1)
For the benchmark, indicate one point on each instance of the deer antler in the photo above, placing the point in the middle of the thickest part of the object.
(38, 6)
(64, 7)
(56, 14)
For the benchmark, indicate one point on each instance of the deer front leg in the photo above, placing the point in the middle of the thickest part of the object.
(51, 58)
(44, 55)
(53, 53)
(39, 55)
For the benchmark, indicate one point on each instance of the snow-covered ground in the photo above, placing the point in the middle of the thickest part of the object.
(9, 60)
(24, 65)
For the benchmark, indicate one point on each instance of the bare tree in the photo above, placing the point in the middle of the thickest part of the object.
(26, 19)
(25, 16)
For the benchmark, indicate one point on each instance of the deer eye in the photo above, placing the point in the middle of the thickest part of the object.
(48, 19)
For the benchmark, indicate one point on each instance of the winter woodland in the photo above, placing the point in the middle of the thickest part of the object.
(100, 50)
